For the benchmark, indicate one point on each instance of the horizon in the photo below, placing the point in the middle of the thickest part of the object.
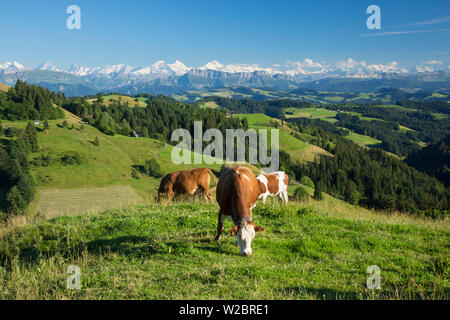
(413, 36)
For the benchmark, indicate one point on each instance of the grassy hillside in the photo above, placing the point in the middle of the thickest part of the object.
(298, 149)
(166, 252)
(108, 165)
(4, 87)
(115, 98)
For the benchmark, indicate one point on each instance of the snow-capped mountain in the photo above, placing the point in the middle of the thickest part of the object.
(11, 67)
(48, 66)
(81, 71)
(163, 77)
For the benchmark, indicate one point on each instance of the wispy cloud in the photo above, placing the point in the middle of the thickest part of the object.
(432, 21)
(393, 33)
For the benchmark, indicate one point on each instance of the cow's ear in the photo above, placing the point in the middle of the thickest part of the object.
(234, 230)
(259, 228)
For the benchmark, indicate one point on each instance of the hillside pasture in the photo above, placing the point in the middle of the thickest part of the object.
(115, 98)
(296, 148)
(363, 139)
(311, 113)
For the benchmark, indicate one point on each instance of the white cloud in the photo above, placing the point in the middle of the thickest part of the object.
(392, 33)
(361, 67)
(438, 62)
(432, 21)
(428, 66)
(305, 67)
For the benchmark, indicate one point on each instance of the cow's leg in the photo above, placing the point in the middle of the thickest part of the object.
(284, 197)
(264, 198)
(204, 186)
(219, 226)
(208, 195)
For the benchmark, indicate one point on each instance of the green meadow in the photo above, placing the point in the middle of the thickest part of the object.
(167, 252)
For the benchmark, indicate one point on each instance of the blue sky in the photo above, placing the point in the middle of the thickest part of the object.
(247, 31)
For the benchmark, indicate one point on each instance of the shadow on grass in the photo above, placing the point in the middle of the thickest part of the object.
(129, 246)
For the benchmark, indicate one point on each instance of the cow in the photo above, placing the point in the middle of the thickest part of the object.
(186, 182)
(276, 185)
(237, 193)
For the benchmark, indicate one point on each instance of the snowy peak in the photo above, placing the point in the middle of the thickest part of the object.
(11, 67)
(213, 65)
(81, 71)
(296, 71)
(48, 66)
(179, 68)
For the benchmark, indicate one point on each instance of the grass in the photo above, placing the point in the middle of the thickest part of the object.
(115, 98)
(167, 252)
(210, 104)
(311, 113)
(74, 201)
(4, 87)
(297, 149)
(363, 139)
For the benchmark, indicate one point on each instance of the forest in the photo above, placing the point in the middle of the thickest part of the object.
(433, 159)
(368, 177)
(15, 176)
(158, 120)
(30, 102)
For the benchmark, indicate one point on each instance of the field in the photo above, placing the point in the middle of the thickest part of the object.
(297, 149)
(311, 113)
(115, 98)
(363, 139)
(166, 252)
(75, 201)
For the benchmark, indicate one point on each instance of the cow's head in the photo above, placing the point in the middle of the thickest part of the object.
(245, 232)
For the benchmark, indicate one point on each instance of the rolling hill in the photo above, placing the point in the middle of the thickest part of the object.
(297, 149)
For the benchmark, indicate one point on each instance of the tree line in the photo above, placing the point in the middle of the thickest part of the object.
(157, 120)
(15, 176)
(30, 102)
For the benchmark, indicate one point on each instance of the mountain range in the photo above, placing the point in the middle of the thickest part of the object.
(171, 78)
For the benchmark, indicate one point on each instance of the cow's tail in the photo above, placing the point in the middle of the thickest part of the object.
(214, 178)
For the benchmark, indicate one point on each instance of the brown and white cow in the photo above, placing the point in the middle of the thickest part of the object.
(276, 185)
(237, 193)
(186, 182)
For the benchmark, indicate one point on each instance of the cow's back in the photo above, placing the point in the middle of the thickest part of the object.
(237, 189)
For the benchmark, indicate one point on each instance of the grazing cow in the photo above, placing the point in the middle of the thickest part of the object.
(237, 193)
(276, 185)
(186, 182)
